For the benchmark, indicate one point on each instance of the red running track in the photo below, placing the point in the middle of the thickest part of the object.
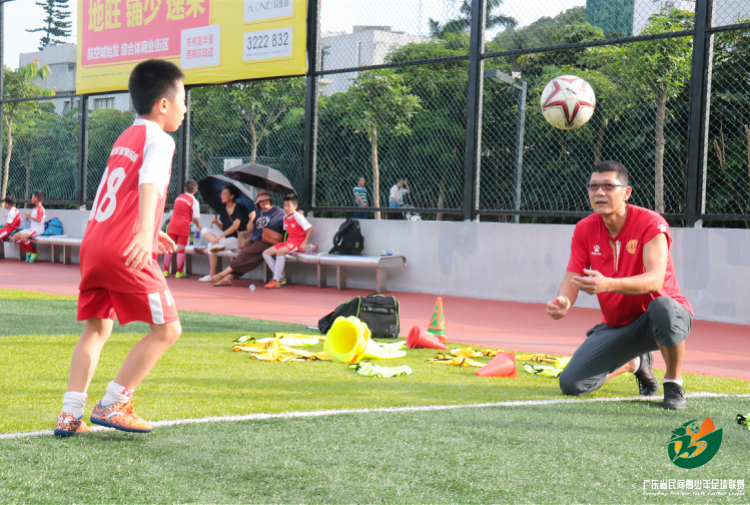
(717, 349)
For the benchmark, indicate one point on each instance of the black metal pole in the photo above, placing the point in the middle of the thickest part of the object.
(2, 90)
(83, 149)
(700, 102)
(520, 130)
(309, 159)
(183, 147)
(474, 111)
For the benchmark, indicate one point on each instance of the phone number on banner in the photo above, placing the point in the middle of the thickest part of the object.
(268, 44)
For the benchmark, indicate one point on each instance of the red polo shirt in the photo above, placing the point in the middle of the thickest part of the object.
(620, 257)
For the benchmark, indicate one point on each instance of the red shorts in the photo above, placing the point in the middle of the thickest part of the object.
(5, 231)
(179, 239)
(292, 246)
(100, 303)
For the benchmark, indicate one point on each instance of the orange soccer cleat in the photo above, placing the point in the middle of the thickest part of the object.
(119, 416)
(273, 284)
(67, 425)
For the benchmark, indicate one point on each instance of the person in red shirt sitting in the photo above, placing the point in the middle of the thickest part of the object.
(298, 230)
(12, 219)
(35, 227)
(621, 254)
(186, 211)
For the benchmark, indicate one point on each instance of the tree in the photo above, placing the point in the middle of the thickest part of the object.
(55, 23)
(19, 84)
(493, 18)
(659, 68)
(380, 103)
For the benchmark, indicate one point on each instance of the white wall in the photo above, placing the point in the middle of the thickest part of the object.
(514, 262)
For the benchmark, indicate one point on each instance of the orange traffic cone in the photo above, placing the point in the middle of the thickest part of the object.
(503, 365)
(419, 339)
(437, 323)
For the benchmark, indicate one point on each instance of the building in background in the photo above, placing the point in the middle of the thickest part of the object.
(365, 46)
(61, 59)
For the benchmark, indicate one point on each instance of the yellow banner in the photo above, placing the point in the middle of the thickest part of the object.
(212, 41)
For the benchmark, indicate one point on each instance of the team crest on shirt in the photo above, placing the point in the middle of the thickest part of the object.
(597, 251)
(632, 246)
(662, 227)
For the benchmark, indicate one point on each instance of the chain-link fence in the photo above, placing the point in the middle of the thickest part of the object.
(399, 99)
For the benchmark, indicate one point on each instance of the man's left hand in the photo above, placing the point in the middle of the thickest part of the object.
(166, 244)
(593, 284)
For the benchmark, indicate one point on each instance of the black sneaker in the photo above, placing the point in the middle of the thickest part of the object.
(647, 383)
(674, 396)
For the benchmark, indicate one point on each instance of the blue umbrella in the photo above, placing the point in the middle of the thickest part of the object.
(211, 187)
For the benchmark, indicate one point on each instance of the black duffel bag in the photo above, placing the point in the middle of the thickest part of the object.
(379, 312)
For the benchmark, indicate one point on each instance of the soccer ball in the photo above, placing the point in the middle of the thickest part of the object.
(568, 102)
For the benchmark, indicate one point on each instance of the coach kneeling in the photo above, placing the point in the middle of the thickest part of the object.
(621, 253)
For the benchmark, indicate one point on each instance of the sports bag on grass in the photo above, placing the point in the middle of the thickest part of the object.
(53, 227)
(348, 240)
(380, 312)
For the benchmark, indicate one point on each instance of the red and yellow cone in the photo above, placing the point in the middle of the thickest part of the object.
(437, 323)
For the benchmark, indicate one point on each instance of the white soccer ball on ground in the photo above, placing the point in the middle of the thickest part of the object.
(568, 102)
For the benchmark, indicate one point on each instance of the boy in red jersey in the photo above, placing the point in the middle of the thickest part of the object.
(186, 211)
(35, 227)
(298, 230)
(621, 254)
(119, 276)
(12, 218)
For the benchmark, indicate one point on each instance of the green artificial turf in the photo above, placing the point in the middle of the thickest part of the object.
(200, 376)
(564, 453)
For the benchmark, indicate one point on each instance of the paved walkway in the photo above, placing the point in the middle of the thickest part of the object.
(713, 348)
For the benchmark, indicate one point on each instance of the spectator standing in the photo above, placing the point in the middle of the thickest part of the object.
(12, 219)
(186, 210)
(266, 217)
(396, 198)
(36, 227)
(232, 218)
(360, 199)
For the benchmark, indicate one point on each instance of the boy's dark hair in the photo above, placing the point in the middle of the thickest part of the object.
(612, 166)
(152, 80)
(10, 200)
(40, 195)
(191, 186)
(291, 198)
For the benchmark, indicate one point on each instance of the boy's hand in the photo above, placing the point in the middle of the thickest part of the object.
(139, 252)
(303, 247)
(166, 244)
(28, 214)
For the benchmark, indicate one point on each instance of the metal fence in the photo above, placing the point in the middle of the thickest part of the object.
(444, 94)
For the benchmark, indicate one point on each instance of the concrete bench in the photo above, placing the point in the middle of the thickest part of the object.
(57, 243)
(343, 262)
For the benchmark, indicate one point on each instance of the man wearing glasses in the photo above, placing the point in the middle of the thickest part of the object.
(621, 254)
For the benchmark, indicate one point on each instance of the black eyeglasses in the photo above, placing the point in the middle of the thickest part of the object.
(608, 187)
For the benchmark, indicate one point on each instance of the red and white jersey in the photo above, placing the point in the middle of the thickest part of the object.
(13, 218)
(186, 207)
(38, 227)
(141, 155)
(296, 227)
(621, 257)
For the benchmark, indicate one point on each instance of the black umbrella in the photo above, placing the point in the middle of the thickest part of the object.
(211, 187)
(261, 176)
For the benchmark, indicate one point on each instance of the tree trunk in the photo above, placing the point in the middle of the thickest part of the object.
(28, 175)
(441, 199)
(661, 112)
(375, 169)
(254, 139)
(599, 143)
(9, 124)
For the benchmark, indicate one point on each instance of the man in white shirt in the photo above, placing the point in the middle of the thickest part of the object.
(396, 199)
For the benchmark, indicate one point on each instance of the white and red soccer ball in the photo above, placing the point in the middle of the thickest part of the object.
(568, 102)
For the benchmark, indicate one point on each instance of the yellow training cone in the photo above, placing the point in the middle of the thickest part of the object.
(347, 340)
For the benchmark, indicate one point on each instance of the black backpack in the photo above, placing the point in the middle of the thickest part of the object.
(348, 240)
(380, 312)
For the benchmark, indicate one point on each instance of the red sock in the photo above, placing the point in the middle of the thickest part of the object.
(180, 260)
(27, 246)
(167, 261)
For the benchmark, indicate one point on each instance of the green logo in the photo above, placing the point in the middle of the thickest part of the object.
(694, 444)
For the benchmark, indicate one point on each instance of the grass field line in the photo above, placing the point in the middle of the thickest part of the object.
(324, 413)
